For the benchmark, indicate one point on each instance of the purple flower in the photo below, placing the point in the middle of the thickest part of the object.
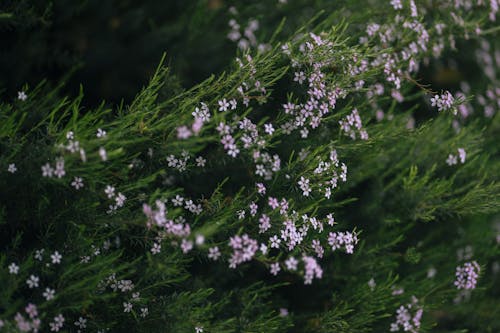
(467, 275)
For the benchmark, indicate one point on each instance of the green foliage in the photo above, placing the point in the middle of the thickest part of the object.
(412, 212)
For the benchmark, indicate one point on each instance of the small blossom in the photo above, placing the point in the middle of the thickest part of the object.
(47, 170)
(443, 102)
(269, 129)
(186, 245)
(275, 268)
(451, 160)
(408, 317)
(13, 269)
(77, 183)
(56, 257)
(32, 281)
(183, 132)
(223, 105)
(49, 294)
(261, 188)
(57, 324)
(156, 248)
(396, 4)
(81, 323)
(12, 168)
(200, 162)
(372, 284)
(214, 253)
(21, 95)
(291, 264)
(127, 306)
(103, 154)
(110, 191)
(101, 133)
(462, 155)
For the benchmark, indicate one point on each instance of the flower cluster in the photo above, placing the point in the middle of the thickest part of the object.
(453, 159)
(346, 240)
(467, 275)
(443, 102)
(244, 249)
(408, 317)
(352, 124)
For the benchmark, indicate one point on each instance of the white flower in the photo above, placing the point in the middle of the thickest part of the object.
(12, 168)
(77, 183)
(110, 191)
(81, 322)
(156, 248)
(56, 257)
(47, 170)
(223, 105)
(57, 324)
(49, 294)
(269, 129)
(200, 161)
(101, 133)
(127, 307)
(32, 282)
(21, 95)
(13, 268)
(103, 154)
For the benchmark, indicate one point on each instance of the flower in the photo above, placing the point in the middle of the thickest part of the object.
(275, 242)
(32, 281)
(12, 168)
(56, 257)
(100, 134)
(200, 161)
(275, 268)
(408, 317)
(396, 4)
(103, 154)
(451, 160)
(223, 105)
(269, 129)
(110, 191)
(127, 306)
(57, 324)
(31, 310)
(77, 183)
(214, 253)
(13, 268)
(156, 248)
(47, 170)
(304, 186)
(49, 294)
(81, 322)
(443, 102)
(467, 275)
(264, 223)
(372, 284)
(291, 264)
(183, 132)
(21, 95)
(462, 155)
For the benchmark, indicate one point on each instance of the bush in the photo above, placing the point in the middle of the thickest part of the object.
(336, 172)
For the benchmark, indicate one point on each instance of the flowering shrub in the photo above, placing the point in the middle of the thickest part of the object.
(311, 187)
